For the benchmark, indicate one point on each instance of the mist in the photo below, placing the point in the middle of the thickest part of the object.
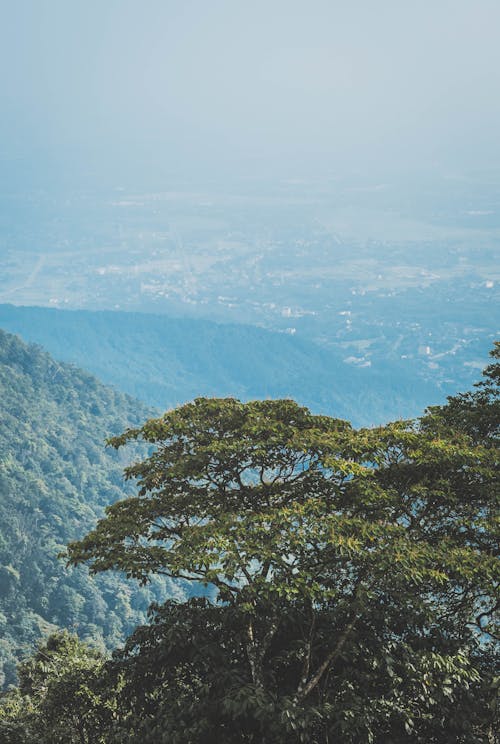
(230, 89)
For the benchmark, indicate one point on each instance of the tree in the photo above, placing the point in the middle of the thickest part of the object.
(477, 412)
(62, 697)
(356, 571)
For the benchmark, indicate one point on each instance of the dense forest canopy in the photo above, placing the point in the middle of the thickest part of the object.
(355, 574)
(56, 477)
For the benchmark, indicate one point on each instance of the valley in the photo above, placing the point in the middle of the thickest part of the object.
(380, 275)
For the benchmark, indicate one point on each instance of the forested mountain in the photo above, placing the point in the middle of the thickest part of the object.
(56, 476)
(356, 569)
(166, 361)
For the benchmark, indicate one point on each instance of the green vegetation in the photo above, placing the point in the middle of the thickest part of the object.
(356, 576)
(61, 698)
(56, 477)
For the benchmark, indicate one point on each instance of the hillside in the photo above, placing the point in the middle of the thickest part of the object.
(56, 476)
(166, 361)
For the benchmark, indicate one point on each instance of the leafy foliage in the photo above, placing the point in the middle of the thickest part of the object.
(352, 582)
(476, 413)
(61, 697)
(358, 572)
(55, 479)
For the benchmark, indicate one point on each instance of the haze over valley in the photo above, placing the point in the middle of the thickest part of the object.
(383, 276)
(249, 371)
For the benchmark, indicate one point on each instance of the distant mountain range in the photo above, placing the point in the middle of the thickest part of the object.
(165, 361)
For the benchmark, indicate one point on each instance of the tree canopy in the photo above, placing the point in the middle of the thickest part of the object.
(356, 571)
(55, 478)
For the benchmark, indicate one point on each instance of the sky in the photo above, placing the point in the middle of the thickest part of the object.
(277, 87)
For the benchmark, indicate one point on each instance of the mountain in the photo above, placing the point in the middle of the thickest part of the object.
(56, 477)
(166, 361)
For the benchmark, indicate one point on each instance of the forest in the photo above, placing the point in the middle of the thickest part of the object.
(56, 477)
(249, 427)
(308, 581)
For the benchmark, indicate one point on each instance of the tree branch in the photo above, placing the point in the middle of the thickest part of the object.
(304, 690)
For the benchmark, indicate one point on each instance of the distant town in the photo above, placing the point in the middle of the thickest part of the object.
(396, 281)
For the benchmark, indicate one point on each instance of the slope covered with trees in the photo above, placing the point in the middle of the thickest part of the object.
(357, 575)
(56, 477)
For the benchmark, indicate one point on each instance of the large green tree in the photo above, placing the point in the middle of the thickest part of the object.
(356, 571)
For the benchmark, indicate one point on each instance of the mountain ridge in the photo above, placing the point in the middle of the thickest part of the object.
(165, 361)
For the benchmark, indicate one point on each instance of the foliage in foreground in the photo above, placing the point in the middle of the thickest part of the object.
(357, 575)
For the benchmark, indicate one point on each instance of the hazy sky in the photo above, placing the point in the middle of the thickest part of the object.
(286, 85)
